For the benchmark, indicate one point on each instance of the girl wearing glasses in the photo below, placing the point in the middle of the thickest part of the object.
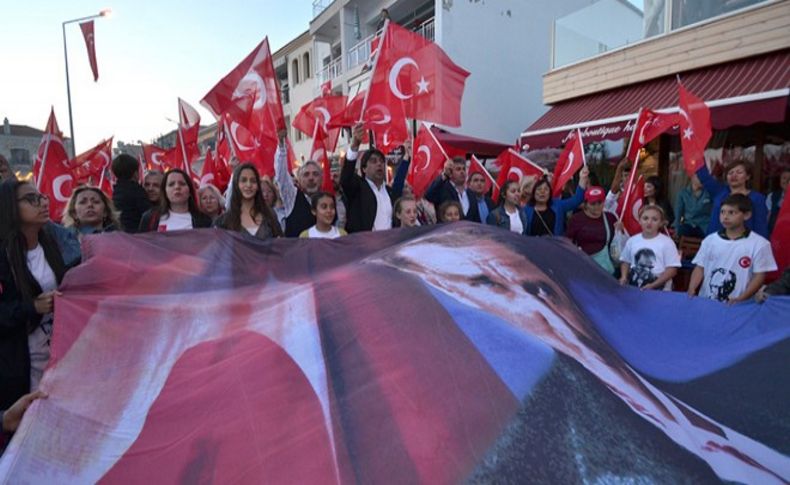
(31, 267)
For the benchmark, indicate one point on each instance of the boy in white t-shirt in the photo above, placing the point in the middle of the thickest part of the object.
(649, 260)
(732, 263)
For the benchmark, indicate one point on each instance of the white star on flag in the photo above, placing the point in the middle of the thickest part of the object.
(688, 133)
(422, 86)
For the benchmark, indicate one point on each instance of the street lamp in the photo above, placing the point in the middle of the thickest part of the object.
(103, 13)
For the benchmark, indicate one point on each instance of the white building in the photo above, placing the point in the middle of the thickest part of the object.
(505, 44)
(19, 145)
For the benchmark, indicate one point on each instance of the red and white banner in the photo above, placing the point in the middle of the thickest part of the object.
(570, 161)
(427, 161)
(51, 169)
(90, 44)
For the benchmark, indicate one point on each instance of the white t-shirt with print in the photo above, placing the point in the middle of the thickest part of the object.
(730, 264)
(38, 342)
(649, 258)
(175, 221)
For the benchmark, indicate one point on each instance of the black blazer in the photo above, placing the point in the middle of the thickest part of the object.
(150, 220)
(441, 190)
(361, 208)
(300, 218)
(131, 200)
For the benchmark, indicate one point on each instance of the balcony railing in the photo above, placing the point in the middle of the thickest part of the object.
(360, 52)
(332, 70)
(319, 6)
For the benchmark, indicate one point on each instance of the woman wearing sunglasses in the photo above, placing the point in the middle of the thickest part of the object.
(31, 268)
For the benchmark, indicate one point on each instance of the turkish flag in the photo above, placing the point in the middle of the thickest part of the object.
(87, 167)
(390, 128)
(629, 204)
(90, 44)
(248, 148)
(318, 154)
(476, 167)
(514, 167)
(214, 172)
(321, 110)
(780, 238)
(107, 181)
(570, 161)
(187, 149)
(250, 96)
(326, 88)
(157, 158)
(427, 161)
(415, 74)
(351, 114)
(695, 129)
(649, 124)
(51, 169)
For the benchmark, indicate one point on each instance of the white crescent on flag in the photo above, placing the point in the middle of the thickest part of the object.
(57, 187)
(395, 72)
(384, 112)
(517, 171)
(234, 127)
(325, 114)
(427, 152)
(251, 86)
(206, 179)
(569, 164)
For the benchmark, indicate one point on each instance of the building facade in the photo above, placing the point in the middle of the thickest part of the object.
(734, 55)
(19, 144)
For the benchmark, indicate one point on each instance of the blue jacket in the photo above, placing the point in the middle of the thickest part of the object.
(499, 218)
(719, 191)
(561, 207)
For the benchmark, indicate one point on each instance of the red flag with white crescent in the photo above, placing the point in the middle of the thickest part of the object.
(649, 124)
(514, 167)
(51, 169)
(476, 167)
(695, 129)
(570, 161)
(90, 44)
(322, 110)
(427, 161)
(318, 153)
(86, 168)
(629, 204)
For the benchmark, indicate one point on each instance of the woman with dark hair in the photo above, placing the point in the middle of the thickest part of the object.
(546, 215)
(508, 215)
(90, 211)
(654, 195)
(738, 175)
(248, 211)
(177, 209)
(31, 268)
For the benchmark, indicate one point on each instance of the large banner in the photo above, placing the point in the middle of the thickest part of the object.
(443, 354)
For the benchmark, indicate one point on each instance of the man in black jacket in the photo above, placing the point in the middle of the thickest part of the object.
(128, 196)
(451, 185)
(369, 198)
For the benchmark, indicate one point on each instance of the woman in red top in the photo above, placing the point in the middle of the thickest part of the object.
(592, 229)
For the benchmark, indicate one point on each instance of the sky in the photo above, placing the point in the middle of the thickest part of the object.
(149, 54)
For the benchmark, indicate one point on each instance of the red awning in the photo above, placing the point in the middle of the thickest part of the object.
(467, 144)
(739, 93)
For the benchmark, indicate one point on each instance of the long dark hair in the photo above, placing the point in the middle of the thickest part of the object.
(164, 203)
(658, 193)
(14, 245)
(259, 205)
(503, 191)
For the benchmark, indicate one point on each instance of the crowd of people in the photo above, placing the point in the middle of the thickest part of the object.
(732, 221)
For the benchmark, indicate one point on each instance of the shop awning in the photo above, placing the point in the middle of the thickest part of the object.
(467, 144)
(739, 93)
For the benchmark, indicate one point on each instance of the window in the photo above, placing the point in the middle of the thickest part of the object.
(306, 65)
(295, 71)
(20, 156)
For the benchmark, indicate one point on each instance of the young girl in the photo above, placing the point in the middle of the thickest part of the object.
(509, 215)
(405, 212)
(248, 211)
(324, 210)
(90, 211)
(650, 260)
(450, 211)
(177, 209)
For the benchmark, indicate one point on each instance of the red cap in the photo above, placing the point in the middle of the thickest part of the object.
(594, 194)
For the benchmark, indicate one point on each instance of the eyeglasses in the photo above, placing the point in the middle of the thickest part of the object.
(33, 199)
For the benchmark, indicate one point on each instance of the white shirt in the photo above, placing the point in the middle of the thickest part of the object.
(515, 221)
(649, 258)
(463, 198)
(314, 233)
(383, 219)
(730, 264)
(253, 230)
(175, 221)
(38, 341)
